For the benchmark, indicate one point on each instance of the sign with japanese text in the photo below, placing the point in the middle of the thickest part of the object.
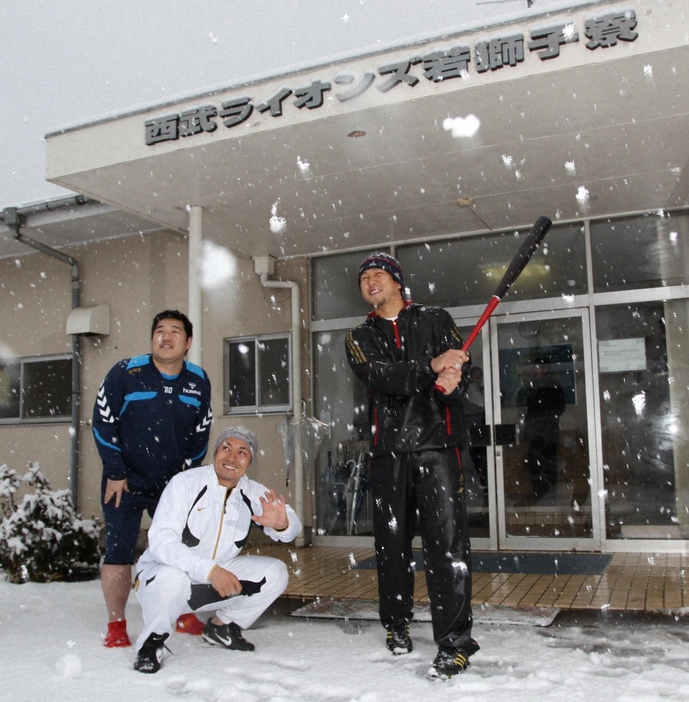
(622, 355)
(602, 32)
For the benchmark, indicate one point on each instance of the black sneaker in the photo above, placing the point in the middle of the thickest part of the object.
(451, 661)
(398, 640)
(150, 655)
(227, 635)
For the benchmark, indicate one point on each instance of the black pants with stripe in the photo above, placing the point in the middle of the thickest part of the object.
(424, 489)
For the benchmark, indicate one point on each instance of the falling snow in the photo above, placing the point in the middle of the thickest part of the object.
(218, 265)
(582, 194)
(304, 167)
(569, 32)
(462, 126)
(277, 224)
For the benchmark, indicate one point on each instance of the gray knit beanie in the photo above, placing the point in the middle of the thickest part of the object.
(242, 433)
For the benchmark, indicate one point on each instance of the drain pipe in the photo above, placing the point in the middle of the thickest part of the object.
(13, 220)
(265, 266)
(195, 294)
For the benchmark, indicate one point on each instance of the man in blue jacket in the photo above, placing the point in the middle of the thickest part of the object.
(410, 357)
(151, 420)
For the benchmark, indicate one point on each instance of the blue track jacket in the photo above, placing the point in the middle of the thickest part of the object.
(149, 426)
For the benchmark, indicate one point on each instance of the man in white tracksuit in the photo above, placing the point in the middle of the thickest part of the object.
(193, 561)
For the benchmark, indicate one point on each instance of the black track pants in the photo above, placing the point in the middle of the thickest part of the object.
(432, 483)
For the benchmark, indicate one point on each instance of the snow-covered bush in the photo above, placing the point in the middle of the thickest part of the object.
(43, 538)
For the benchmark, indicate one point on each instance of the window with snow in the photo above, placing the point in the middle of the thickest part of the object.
(35, 389)
(257, 374)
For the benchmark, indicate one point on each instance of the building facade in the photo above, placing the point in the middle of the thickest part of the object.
(251, 207)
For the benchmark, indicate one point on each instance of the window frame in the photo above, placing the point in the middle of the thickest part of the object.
(21, 418)
(257, 407)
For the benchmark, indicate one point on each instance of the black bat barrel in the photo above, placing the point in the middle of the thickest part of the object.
(523, 256)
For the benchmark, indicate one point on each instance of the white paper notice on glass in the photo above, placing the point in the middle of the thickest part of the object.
(620, 355)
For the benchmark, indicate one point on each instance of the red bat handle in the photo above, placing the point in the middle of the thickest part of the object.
(494, 302)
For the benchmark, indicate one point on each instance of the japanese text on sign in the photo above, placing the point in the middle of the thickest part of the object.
(440, 65)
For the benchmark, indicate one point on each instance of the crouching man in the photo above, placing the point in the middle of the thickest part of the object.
(193, 561)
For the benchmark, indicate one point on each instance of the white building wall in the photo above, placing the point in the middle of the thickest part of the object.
(137, 277)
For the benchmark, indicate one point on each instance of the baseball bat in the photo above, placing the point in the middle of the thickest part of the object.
(517, 265)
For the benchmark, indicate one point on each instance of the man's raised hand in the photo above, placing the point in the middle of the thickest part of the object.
(274, 512)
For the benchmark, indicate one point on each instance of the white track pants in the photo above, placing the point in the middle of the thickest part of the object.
(164, 594)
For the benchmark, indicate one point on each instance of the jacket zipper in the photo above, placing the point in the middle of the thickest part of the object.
(222, 521)
(395, 328)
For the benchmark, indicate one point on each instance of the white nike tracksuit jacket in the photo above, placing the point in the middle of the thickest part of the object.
(199, 523)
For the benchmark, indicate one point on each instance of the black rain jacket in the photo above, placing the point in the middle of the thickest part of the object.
(393, 359)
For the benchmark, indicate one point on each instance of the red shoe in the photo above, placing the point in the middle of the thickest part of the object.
(189, 624)
(117, 635)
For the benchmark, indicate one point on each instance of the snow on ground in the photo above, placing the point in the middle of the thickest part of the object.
(51, 649)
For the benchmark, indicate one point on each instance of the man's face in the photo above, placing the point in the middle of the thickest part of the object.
(231, 461)
(378, 287)
(169, 343)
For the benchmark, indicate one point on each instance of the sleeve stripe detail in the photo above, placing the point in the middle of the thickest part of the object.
(103, 442)
(355, 351)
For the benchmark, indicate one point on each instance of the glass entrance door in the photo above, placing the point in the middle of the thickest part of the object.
(542, 435)
(531, 458)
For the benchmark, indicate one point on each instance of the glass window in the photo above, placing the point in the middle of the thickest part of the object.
(257, 374)
(10, 390)
(643, 381)
(344, 505)
(242, 373)
(35, 389)
(273, 355)
(640, 252)
(336, 286)
(457, 272)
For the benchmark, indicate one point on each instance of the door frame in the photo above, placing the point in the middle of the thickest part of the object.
(498, 539)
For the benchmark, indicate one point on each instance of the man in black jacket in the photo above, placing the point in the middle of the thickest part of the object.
(410, 358)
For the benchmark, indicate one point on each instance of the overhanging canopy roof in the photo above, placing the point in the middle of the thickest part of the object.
(586, 133)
